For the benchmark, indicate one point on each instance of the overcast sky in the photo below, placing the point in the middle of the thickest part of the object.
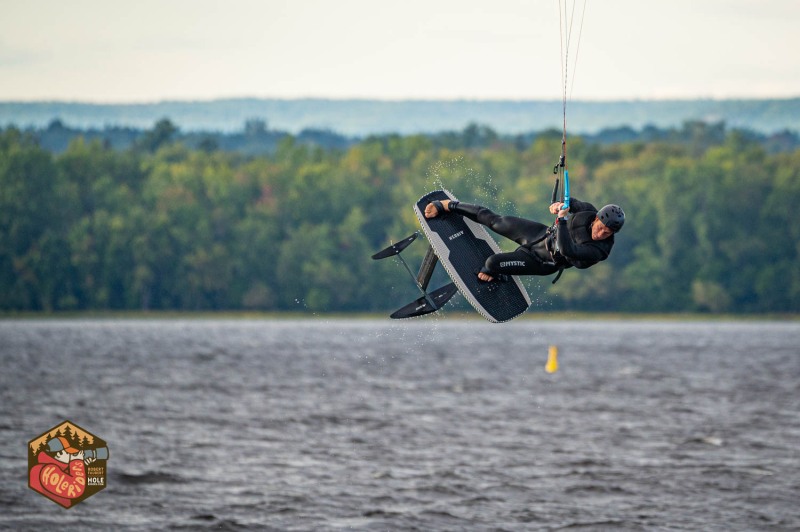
(150, 50)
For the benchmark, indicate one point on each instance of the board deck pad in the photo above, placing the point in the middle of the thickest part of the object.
(463, 247)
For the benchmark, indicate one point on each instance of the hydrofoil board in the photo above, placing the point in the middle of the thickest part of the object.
(462, 247)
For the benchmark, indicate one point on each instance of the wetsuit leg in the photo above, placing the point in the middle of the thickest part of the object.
(520, 230)
(518, 262)
(523, 232)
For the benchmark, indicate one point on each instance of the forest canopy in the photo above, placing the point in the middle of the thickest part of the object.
(167, 224)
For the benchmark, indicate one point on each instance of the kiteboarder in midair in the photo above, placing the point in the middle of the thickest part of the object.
(581, 237)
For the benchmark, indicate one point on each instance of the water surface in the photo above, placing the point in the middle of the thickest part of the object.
(432, 424)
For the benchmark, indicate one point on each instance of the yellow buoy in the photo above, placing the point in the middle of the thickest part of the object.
(552, 360)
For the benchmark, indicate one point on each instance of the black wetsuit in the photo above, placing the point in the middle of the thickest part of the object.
(543, 250)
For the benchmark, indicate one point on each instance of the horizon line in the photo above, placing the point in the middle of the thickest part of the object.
(396, 100)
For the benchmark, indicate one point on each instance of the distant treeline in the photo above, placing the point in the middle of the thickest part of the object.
(173, 221)
(359, 118)
(256, 138)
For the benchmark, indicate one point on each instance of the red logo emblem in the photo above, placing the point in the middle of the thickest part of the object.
(67, 464)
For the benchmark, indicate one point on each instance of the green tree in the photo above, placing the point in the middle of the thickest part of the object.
(161, 134)
(35, 210)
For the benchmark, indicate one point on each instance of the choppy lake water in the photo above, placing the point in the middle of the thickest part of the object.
(433, 424)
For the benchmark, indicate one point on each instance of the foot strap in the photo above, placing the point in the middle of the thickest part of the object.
(439, 207)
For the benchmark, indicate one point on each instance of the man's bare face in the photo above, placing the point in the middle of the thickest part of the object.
(600, 231)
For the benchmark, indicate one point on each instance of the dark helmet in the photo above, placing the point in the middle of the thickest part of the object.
(612, 217)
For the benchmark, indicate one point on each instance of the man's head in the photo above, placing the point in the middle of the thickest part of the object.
(60, 449)
(609, 220)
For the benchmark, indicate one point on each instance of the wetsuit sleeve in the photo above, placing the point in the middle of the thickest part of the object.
(579, 255)
(576, 205)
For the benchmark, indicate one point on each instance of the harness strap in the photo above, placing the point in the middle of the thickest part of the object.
(551, 231)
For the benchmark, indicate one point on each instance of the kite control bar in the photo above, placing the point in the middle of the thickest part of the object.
(562, 163)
